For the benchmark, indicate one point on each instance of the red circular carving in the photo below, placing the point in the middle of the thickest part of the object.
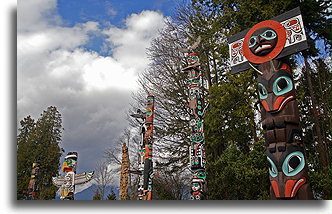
(281, 32)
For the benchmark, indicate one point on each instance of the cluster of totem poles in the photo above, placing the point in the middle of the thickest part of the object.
(264, 48)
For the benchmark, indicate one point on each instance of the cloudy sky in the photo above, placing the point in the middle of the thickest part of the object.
(84, 56)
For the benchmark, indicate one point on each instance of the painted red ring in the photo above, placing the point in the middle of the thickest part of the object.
(281, 32)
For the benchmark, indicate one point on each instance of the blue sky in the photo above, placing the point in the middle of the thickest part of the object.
(107, 13)
(113, 11)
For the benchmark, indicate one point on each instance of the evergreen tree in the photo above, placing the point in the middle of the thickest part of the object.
(316, 124)
(97, 196)
(39, 140)
(235, 175)
(111, 195)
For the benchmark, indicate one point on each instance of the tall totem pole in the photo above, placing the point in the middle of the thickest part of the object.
(145, 164)
(124, 173)
(265, 48)
(197, 109)
(31, 194)
(70, 179)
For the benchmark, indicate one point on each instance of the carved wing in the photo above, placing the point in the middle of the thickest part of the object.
(58, 181)
(83, 177)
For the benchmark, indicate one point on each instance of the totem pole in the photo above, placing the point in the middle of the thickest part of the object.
(70, 179)
(124, 173)
(264, 48)
(32, 188)
(197, 109)
(145, 165)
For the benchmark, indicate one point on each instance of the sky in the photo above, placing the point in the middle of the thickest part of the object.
(36, 100)
(84, 57)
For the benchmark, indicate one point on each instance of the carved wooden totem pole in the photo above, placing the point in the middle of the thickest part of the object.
(196, 108)
(265, 48)
(70, 179)
(31, 194)
(145, 164)
(124, 173)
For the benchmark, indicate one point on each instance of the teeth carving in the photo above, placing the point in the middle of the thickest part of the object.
(259, 48)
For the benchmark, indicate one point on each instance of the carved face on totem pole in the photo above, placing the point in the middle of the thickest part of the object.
(68, 187)
(262, 47)
(197, 186)
(276, 90)
(193, 58)
(263, 41)
(285, 150)
(70, 162)
(280, 117)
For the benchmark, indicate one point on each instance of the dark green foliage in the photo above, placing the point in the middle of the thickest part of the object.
(97, 196)
(161, 192)
(230, 131)
(111, 195)
(321, 183)
(230, 118)
(318, 145)
(39, 140)
(235, 175)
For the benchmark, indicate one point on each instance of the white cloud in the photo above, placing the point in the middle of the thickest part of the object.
(91, 91)
(54, 37)
(131, 42)
(36, 14)
(104, 72)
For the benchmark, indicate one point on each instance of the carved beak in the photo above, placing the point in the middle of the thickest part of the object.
(292, 186)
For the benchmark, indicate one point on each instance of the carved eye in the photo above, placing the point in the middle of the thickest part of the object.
(269, 34)
(282, 85)
(252, 41)
(262, 91)
(196, 137)
(293, 163)
(196, 186)
(272, 169)
(201, 174)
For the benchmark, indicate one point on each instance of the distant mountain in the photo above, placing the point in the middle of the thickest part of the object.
(88, 193)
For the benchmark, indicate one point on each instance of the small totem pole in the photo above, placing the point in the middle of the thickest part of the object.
(264, 48)
(145, 165)
(70, 179)
(124, 173)
(32, 188)
(197, 111)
